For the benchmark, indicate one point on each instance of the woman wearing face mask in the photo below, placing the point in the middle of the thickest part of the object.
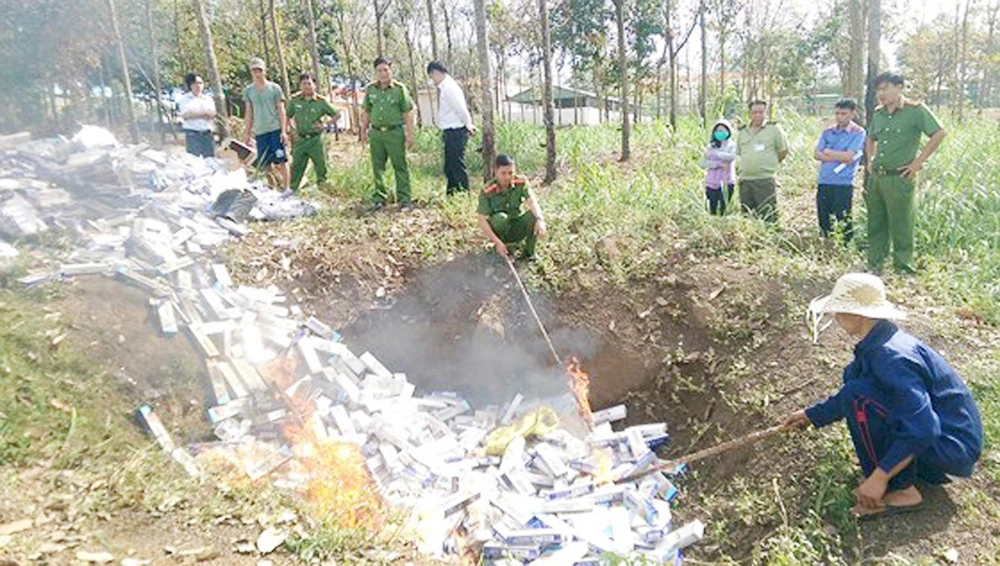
(718, 162)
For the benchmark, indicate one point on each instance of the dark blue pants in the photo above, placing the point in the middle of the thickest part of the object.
(869, 418)
(199, 143)
(833, 202)
(270, 149)
(717, 199)
(454, 159)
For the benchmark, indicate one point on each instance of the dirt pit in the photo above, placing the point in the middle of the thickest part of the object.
(465, 326)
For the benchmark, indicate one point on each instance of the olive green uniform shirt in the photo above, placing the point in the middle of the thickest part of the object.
(898, 133)
(387, 105)
(494, 200)
(308, 111)
(758, 151)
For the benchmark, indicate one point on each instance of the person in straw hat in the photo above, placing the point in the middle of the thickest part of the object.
(909, 413)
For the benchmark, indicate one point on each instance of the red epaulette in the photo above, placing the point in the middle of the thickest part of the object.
(519, 181)
(491, 188)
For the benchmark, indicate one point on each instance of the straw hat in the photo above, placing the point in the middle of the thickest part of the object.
(855, 293)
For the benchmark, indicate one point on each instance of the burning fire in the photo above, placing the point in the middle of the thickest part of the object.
(340, 489)
(579, 383)
(338, 485)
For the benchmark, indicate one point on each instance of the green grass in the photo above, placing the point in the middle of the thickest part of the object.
(645, 208)
(52, 404)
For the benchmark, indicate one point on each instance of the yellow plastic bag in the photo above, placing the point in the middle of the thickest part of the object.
(536, 423)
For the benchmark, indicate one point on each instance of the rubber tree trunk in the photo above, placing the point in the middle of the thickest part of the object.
(313, 47)
(380, 10)
(126, 81)
(874, 53)
(485, 82)
(414, 85)
(278, 51)
(623, 78)
(150, 29)
(550, 127)
(263, 33)
(703, 99)
(855, 58)
(672, 63)
(447, 29)
(434, 38)
(212, 66)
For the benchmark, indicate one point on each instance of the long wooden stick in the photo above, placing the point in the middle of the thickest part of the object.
(534, 313)
(740, 442)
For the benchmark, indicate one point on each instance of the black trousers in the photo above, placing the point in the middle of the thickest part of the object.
(454, 159)
(833, 202)
(717, 200)
(199, 143)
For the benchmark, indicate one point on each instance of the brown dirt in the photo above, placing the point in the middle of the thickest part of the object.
(114, 324)
(72, 515)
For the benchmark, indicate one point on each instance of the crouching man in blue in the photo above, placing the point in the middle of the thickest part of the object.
(909, 413)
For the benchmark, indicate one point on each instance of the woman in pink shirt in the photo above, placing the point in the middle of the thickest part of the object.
(720, 175)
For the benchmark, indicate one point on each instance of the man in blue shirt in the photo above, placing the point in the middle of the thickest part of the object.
(909, 413)
(839, 150)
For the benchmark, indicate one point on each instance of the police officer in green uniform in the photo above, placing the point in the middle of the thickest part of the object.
(309, 112)
(892, 144)
(500, 214)
(387, 125)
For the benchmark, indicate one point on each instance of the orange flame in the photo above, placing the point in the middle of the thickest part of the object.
(340, 489)
(579, 383)
(338, 486)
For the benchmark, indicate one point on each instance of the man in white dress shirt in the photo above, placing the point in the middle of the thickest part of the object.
(197, 111)
(456, 126)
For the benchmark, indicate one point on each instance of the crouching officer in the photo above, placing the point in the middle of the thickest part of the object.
(500, 214)
(309, 113)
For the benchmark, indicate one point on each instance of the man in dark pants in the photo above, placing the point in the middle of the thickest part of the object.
(839, 149)
(197, 111)
(909, 413)
(761, 146)
(456, 126)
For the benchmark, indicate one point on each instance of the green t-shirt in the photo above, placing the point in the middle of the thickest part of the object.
(758, 151)
(494, 199)
(898, 134)
(387, 105)
(306, 112)
(265, 103)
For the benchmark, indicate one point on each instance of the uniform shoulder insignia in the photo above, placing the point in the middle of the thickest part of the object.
(518, 181)
(491, 187)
